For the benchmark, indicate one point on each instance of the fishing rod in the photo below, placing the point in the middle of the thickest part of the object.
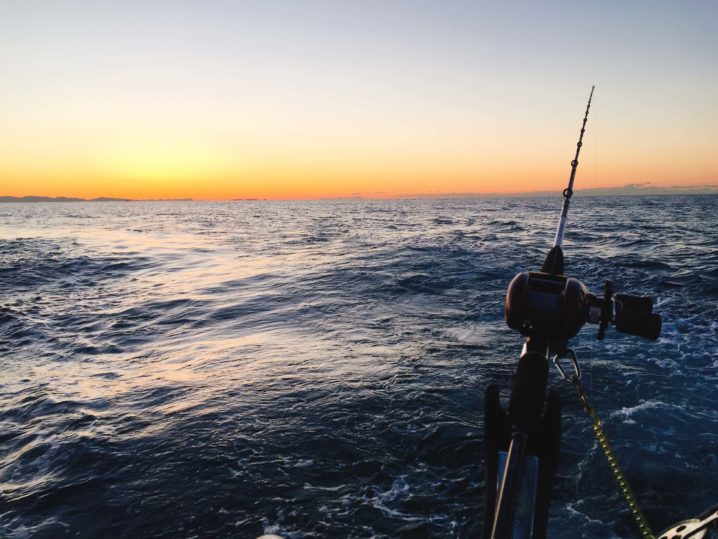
(568, 192)
(522, 446)
(554, 260)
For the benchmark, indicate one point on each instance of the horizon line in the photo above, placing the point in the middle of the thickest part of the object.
(626, 190)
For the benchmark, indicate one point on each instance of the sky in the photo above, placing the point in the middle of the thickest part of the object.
(309, 99)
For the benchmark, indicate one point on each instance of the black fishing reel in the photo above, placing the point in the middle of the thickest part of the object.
(547, 307)
(553, 308)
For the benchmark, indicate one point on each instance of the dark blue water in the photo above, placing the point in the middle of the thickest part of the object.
(316, 369)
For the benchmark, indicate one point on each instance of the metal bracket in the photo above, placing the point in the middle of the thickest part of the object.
(574, 361)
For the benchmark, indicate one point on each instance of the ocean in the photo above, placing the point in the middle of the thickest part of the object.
(317, 368)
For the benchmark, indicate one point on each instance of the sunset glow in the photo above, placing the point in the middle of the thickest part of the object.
(315, 99)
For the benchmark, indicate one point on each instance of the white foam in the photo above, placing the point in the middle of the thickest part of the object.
(570, 507)
(643, 405)
(398, 488)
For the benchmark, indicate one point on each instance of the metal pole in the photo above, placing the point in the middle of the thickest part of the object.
(510, 486)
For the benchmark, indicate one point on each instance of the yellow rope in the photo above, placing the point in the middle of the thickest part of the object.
(623, 485)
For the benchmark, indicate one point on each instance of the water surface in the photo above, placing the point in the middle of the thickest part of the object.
(316, 369)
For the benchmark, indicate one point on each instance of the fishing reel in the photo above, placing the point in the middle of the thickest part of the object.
(547, 307)
(551, 307)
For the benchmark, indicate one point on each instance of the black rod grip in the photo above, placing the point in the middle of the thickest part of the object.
(528, 392)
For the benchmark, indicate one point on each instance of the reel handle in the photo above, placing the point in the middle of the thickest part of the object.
(634, 315)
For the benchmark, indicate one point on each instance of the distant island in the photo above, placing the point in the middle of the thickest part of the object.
(98, 199)
(629, 190)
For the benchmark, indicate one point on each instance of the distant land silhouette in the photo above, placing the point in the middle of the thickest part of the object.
(631, 189)
(75, 199)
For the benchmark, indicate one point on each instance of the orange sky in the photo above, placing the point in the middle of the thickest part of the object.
(247, 100)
